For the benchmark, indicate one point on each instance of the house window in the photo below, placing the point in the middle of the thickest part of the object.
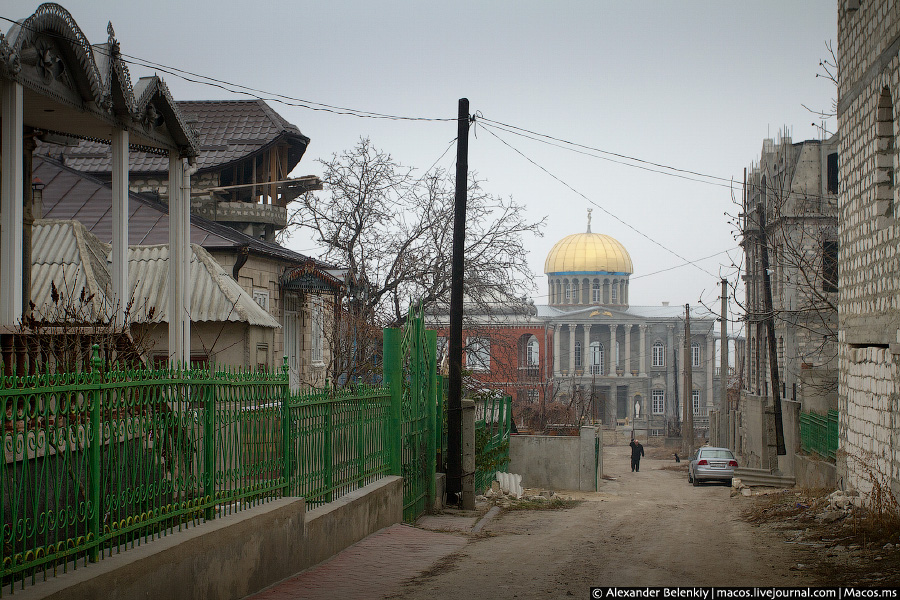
(595, 292)
(833, 173)
(658, 400)
(533, 396)
(695, 400)
(262, 298)
(596, 358)
(578, 362)
(532, 352)
(695, 354)
(317, 329)
(262, 357)
(659, 354)
(829, 266)
(478, 354)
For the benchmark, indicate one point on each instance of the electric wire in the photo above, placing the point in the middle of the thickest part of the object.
(564, 183)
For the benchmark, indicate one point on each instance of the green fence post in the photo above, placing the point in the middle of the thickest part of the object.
(96, 441)
(328, 459)
(431, 400)
(439, 423)
(392, 376)
(209, 449)
(286, 446)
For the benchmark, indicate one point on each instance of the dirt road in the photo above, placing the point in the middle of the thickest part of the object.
(647, 528)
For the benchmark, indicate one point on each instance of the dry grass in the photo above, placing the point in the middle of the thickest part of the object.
(680, 467)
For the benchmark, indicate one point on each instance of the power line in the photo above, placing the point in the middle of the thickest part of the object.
(583, 149)
(628, 225)
(235, 88)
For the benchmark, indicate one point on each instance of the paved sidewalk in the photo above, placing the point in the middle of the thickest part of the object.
(372, 568)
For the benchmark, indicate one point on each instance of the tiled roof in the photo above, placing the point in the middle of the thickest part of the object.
(227, 131)
(69, 194)
(69, 256)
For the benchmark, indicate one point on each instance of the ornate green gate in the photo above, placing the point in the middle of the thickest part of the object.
(410, 370)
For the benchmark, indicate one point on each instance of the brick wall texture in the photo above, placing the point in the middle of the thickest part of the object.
(869, 279)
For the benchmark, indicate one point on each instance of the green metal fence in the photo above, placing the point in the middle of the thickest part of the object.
(98, 462)
(492, 427)
(340, 440)
(410, 370)
(819, 433)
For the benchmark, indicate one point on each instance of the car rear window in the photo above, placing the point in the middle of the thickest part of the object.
(726, 454)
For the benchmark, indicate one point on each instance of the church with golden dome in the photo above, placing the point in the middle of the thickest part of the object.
(590, 354)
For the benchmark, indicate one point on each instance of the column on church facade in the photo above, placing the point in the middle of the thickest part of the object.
(557, 331)
(586, 349)
(627, 350)
(642, 359)
(572, 327)
(671, 373)
(612, 350)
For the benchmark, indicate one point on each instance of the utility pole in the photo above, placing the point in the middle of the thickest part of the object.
(454, 400)
(723, 407)
(770, 330)
(688, 404)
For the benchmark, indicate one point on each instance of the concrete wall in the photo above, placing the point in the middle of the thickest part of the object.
(557, 462)
(814, 474)
(236, 555)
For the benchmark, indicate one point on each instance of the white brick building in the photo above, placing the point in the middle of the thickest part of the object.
(869, 279)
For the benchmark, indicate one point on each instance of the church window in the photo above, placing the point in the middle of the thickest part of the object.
(695, 354)
(658, 398)
(568, 291)
(695, 400)
(596, 358)
(478, 354)
(595, 292)
(659, 354)
(532, 352)
(577, 354)
(615, 290)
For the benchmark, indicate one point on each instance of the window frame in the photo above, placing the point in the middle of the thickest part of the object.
(658, 396)
(658, 351)
(476, 348)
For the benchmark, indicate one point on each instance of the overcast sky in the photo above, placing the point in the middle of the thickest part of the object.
(692, 85)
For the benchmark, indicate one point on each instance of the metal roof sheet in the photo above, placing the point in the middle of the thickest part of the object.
(226, 131)
(70, 194)
(65, 253)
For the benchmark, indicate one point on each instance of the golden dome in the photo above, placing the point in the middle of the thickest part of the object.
(588, 253)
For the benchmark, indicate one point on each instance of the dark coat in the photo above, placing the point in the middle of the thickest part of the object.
(637, 450)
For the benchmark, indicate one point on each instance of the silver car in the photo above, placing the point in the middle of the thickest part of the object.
(711, 464)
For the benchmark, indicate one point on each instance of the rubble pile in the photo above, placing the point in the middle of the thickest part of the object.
(498, 497)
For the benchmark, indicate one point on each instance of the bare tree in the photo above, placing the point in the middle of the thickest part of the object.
(395, 232)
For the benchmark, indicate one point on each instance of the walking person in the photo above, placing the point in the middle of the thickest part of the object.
(637, 451)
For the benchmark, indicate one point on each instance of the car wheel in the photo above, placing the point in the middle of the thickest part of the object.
(695, 482)
(690, 479)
